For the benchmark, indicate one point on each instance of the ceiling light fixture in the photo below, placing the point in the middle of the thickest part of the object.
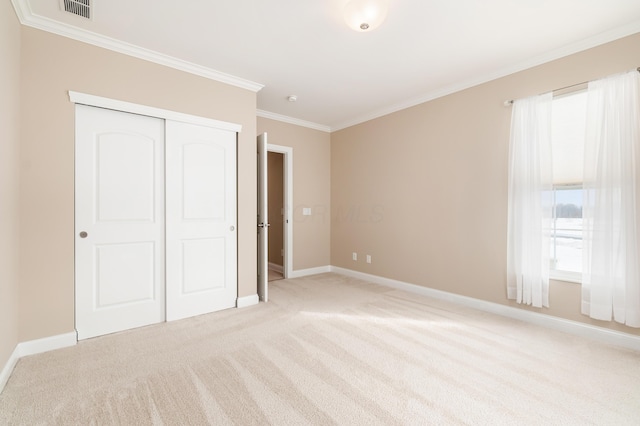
(365, 15)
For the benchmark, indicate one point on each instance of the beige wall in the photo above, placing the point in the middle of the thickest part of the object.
(53, 65)
(311, 188)
(276, 203)
(424, 190)
(9, 160)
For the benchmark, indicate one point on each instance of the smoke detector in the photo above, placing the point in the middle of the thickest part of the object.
(80, 8)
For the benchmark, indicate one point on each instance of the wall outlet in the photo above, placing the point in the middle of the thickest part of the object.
(354, 255)
(368, 258)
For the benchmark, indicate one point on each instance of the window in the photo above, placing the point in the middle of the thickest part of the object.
(566, 231)
(559, 148)
(568, 132)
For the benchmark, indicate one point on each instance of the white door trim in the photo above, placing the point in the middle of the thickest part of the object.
(262, 215)
(98, 101)
(287, 152)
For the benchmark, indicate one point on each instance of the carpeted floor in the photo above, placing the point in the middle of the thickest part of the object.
(328, 349)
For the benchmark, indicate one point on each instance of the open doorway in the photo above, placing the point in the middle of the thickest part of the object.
(283, 206)
(276, 207)
(282, 258)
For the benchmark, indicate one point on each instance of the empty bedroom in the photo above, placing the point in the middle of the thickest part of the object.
(336, 212)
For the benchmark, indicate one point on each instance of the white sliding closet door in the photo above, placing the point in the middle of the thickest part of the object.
(155, 220)
(201, 219)
(119, 218)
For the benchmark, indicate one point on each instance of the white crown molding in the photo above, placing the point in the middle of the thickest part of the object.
(597, 40)
(28, 18)
(604, 335)
(291, 120)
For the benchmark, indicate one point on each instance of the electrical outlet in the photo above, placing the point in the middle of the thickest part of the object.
(368, 258)
(354, 255)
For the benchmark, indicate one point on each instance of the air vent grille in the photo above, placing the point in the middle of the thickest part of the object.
(78, 7)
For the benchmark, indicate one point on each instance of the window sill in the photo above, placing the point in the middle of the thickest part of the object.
(571, 277)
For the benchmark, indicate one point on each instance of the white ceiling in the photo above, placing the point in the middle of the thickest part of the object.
(425, 48)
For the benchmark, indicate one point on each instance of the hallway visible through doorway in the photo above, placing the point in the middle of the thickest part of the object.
(275, 192)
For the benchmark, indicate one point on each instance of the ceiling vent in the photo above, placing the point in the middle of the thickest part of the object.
(77, 7)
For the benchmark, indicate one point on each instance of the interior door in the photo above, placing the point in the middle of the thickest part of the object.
(263, 220)
(119, 221)
(201, 220)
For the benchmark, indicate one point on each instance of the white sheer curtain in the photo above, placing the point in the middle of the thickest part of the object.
(530, 201)
(611, 279)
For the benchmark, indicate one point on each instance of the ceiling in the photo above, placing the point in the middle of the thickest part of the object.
(425, 48)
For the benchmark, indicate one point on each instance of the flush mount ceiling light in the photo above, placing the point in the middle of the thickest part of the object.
(365, 15)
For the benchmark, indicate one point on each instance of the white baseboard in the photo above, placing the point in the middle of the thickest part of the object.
(33, 347)
(8, 368)
(243, 302)
(572, 327)
(276, 267)
(38, 346)
(311, 271)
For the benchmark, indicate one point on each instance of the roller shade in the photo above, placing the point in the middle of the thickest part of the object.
(568, 132)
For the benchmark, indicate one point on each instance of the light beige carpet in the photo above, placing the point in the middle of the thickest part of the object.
(330, 350)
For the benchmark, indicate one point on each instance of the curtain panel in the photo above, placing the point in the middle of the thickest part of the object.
(611, 279)
(530, 201)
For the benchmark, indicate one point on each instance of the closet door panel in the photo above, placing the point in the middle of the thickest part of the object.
(204, 163)
(201, 220)
(119, 221)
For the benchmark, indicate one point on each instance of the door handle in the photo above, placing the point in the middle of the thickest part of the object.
(83, 234)
(264, 225)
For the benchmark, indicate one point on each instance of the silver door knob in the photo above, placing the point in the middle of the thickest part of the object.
(232, 228)
(83, 234)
